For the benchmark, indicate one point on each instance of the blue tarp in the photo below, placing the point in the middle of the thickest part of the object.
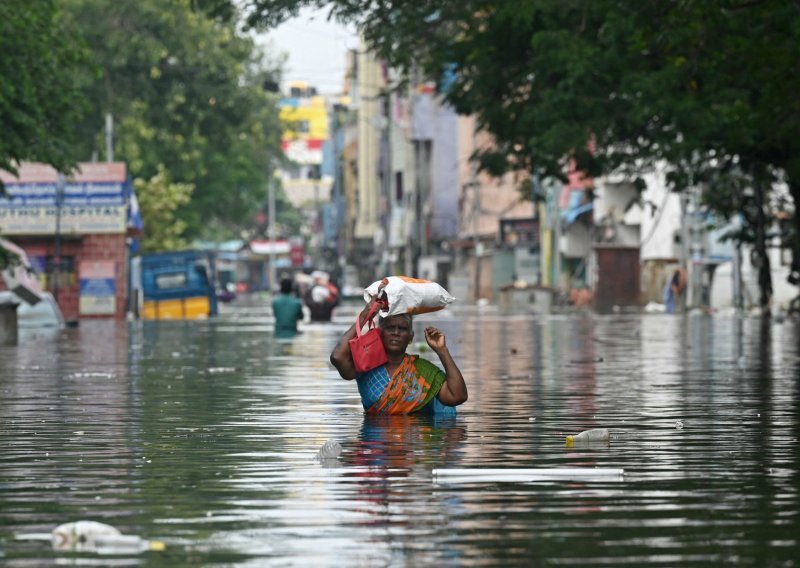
(571, 215)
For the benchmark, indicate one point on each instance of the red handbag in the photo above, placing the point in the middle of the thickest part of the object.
(367, 349)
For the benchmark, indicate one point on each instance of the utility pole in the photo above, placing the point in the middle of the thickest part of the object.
(388, 174)
(696, 249)
(476, 213)
(109, 137)
(57, 244)
(422, 173)
(556, 238)
(424, 197)
(409, 252)
(271, 226)
(738, 296)
(685, 260)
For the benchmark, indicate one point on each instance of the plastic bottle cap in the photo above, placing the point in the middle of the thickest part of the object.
(570, 441)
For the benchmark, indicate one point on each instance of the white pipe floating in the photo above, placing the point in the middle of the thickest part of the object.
(512, 475)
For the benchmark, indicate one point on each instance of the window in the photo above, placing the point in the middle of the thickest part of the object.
(398, 186)
(170, 281)
(301, 126)
(64, 272)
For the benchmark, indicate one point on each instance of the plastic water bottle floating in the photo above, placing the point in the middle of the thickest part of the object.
(329, 450)
(594, 436)
(92, 536)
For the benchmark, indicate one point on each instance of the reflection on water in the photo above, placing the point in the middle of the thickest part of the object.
(205, 435)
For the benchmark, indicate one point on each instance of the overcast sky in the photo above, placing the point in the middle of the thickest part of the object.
(316, 50)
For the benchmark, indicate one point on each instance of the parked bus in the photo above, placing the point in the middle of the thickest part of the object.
(175, 285)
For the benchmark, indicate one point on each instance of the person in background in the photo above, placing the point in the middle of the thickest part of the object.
(287, 310)
(673, 291)
(321, 297)
(406, 383)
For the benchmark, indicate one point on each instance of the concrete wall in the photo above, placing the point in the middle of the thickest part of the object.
(370, 81)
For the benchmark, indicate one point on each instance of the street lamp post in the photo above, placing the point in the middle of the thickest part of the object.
(57, 245)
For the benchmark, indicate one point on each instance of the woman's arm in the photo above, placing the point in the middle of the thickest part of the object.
(454, 389)
(341, 358)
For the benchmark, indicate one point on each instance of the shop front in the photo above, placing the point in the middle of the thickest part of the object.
(73, 229)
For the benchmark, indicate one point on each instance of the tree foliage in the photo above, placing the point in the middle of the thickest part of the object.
(159, 198)
(40, 98)
(708, 87)
(185, 91)
(7, 258)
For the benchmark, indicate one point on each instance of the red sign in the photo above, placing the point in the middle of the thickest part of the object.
(297, 255)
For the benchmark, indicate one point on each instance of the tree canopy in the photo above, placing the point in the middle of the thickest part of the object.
(707, 87)
(183, 83)
(40, 97)
(185, 91)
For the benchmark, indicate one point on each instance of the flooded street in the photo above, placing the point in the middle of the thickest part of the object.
(204, 436)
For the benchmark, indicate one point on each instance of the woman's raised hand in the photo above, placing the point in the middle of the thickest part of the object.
(435, 339)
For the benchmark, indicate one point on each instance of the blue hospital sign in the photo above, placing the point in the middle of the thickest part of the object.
(98, 287)
(92, 200)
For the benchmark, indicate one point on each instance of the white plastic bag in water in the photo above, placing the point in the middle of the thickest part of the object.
(407, 295)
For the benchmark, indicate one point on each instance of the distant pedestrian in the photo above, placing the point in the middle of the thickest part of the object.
(288, 310)
(674, 289)
(321, 297)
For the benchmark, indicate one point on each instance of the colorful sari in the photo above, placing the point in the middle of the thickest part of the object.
(412, 388)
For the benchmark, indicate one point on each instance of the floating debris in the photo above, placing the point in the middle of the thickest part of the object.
(92, 536)
(588, 437)
(330, 450)
(522, 475)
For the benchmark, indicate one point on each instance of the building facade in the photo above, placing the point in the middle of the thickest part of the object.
(74, 231)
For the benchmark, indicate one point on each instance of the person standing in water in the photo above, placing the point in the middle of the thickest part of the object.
(287, 310)
(674, 289)
(406, 383)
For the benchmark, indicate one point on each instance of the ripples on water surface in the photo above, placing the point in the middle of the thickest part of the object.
(204, 435)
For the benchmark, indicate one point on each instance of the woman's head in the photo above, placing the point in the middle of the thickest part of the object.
(396, 332)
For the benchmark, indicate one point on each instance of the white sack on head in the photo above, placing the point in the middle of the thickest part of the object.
(409, 295)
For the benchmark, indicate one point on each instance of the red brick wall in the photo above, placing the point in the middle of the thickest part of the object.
(111, 248)
(105, 247)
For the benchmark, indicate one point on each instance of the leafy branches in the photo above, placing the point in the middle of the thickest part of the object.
(707, 87)
(186, 94)
(40, 99)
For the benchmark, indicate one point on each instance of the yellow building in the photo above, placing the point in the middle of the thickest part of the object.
(304, 116)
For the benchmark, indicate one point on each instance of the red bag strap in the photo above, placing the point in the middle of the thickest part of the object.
(370, 315)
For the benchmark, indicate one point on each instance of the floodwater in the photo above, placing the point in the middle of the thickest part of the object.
(203, 436)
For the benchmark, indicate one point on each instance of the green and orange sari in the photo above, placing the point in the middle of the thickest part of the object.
(411, 388)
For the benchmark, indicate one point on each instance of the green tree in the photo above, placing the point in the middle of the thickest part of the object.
(40, 97)
(708, 87)
(7, 258)
(186, 94)
(159, 199)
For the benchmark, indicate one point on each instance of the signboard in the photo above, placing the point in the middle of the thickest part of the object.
(297, 254)
(93, 200)
(307, 152)
(520, 232)
(98, 287)
(270, 247)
